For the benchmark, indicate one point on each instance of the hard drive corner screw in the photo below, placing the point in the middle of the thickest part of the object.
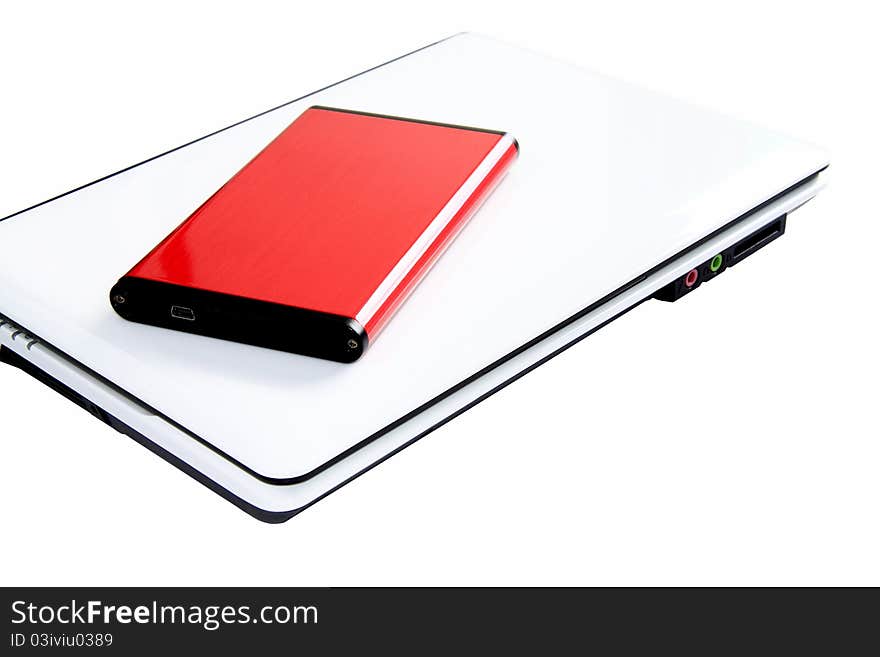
(119, 298)
(352, 344)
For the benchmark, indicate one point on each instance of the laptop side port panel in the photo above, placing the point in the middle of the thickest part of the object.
(720, 262)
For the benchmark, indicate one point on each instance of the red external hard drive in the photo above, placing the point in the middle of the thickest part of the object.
(313, 245)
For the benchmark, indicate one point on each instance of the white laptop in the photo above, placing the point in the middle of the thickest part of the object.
(620, 195)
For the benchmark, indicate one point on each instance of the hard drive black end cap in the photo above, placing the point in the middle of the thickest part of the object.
(119, 298)
(356, 341)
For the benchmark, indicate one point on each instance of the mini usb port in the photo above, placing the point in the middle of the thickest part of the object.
(181, 312)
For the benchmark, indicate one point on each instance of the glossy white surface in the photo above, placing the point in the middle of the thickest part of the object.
(284, 498)
(611, 181)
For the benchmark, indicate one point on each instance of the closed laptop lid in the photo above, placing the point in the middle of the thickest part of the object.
(611, 181)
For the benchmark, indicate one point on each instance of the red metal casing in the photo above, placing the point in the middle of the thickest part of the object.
(342, 214)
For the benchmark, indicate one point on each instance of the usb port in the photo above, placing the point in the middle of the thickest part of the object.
(181, 312)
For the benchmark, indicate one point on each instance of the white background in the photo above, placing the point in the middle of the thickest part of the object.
(730, 438)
